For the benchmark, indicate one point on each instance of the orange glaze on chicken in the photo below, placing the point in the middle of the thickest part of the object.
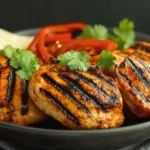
(15, 105)
(79, 100)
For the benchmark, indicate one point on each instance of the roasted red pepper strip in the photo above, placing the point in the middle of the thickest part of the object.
(55, 37)
(63, 34)
(63, 28)
(93, 43)
(33, 44)
(38, 42)
(64, 45)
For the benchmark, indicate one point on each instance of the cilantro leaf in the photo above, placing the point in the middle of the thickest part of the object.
(24, 61)
(74, 60)
(21, 73)
(8, 51)
(95, 32)
(124, 33)
(106, 59)
(65, 58)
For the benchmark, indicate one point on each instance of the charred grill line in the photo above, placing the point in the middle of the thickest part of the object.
(11, 85)
(24, 97)
(144, 65)
(135, 89)
(66, 92)
(96, 74)
(74, 84)
(55, 102)
(24, 110)
(24, 92)
(94, 85)
(139, 72)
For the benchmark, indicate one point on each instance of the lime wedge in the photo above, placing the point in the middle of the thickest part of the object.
(17, 41)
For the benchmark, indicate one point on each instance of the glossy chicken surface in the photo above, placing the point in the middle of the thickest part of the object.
(140, 50)
(15, 105)
(133, 77)
(79, 100)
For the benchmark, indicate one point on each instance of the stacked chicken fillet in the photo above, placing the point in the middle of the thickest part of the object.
(79, 100)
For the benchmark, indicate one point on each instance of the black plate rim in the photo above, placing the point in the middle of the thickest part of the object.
(135, 127)
(35, 130)
(34, 30)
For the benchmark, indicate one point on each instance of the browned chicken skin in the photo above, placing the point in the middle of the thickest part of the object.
(133, 79)
(79, 100)
(140, 50)
(15, 105)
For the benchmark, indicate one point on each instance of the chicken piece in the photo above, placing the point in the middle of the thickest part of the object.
(133, 77)
(79, 100)
(15, 105)
(3, 62)
(143, 49)
(140, 49)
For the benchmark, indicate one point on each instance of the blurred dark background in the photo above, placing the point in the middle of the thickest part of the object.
(23, 14)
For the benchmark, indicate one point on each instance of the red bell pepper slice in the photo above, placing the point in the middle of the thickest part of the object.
(55, 37)
(82, 43)
(63, 28)
(63, 34)
(38, 42)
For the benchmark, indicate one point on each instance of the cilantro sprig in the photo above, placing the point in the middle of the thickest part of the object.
(94, 32)
(106, 59)
(80, 61)
(123, 34)
(24, 61)
(74, 60)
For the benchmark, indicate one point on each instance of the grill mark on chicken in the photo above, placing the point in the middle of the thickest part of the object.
(96, 74)
(74, 84)
(135, 89)
(24, 92)
(65, 91)
(24, 97)
(144, 65)
(55, 102)
(139, 72)
(112, 99)
(11, 85)
(141, 46)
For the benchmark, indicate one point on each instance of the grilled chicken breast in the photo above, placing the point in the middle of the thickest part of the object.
(79, 100)
(15, 105)
(143, 49)
(140, 50)
(133, 77)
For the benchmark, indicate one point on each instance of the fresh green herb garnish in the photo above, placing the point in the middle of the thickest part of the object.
(8, 51)
(94, 32)
(106, 59)
(74, 60)
(79, 60)
(24, 61)
(123, 35)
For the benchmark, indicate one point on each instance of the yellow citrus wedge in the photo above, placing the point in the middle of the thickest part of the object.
(18, 41)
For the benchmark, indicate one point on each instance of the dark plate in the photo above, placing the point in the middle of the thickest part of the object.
(52, 135)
